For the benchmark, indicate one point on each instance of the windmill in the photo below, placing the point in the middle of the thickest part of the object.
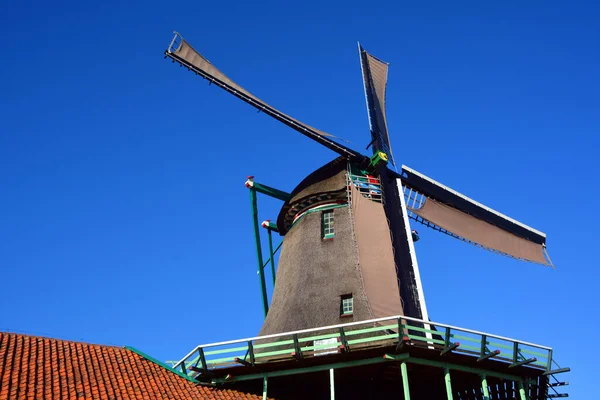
(348, 251)
(348, 297)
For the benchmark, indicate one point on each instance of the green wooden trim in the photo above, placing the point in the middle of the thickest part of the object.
(501, 345)
(368, 330)
(263, 285)
(453, 346)
(159, 363)
(549, 364)
(466, 346)
(405, 386)
(447, 337)
(405, 357)
(271, 226)
(522, 390)
(462, 368)
(470, 339)
(424, 330)
(316, 368)
(251, 352)
(534, 353)
(274, 252)
(202, 358)
(274, 353)
(310, 338)
(323, 207)
(373, 338)
(269, 191)
(448, 383)
(327, 346)
(265, 388)
(274, 344)
(224, 359)
(192, 362)
(484, 348)
(523, 362)
(420, 338)
(484, 387)
(210, 353)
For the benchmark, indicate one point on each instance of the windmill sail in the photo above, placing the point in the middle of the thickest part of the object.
(182, 52)
(444, 209)
(375, 73)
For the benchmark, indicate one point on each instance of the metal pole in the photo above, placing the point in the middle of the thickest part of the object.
(522, 390)
(484, 387)
(263, 285)
(448, 384)
(265, 388)
(331, 384)
(272, 254)
(405, 381)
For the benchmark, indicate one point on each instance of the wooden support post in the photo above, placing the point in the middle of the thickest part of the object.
(202, 358)
(261, 274)
(483, 345)
(403, 338)
(332, 384)
(243, 362)
(251, 352)
(297, 351)
(558, 384)
(346, 347)
(448, 383)
(204, 373)
(450, 348)
(265, 388)
(405, 387)
(484, 387)
(549, 363)
(489, 355)
(522, 394)
(524, 362)
(557, 371)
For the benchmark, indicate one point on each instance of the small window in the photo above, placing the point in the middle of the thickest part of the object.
(347, 305)
(327, 231)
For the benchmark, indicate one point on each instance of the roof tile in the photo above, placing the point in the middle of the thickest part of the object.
(34, 367)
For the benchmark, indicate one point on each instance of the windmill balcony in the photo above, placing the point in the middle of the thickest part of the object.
(506, 365)
(367, 185)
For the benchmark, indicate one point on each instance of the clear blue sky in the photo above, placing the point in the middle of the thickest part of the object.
(123, 213)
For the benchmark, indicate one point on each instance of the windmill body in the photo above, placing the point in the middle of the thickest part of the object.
(348, 255)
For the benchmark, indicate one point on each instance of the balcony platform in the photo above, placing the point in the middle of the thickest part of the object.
(420, 359)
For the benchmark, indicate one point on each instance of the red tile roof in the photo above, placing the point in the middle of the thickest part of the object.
(34, 367)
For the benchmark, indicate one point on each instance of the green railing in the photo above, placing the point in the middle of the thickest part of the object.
(393, 331)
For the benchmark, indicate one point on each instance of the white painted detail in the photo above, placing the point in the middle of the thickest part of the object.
(413, 257)
(321, 351)
(522, 225)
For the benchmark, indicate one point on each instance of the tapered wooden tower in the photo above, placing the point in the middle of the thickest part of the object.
(337, 261)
